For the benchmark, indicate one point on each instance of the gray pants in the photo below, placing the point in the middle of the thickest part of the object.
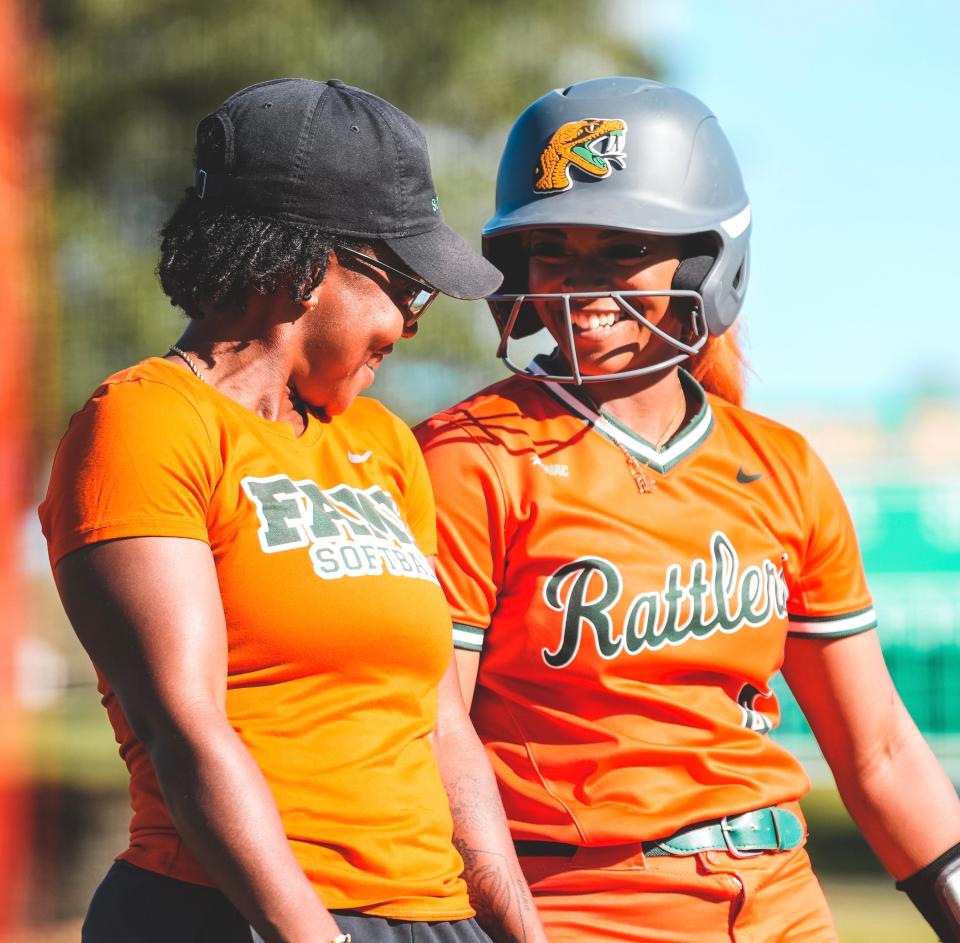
(368, 929)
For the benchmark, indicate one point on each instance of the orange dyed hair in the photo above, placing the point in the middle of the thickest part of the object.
(720, 367)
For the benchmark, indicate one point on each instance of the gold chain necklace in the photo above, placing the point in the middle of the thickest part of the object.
(638, 471)
(298, 404)
(188, 360)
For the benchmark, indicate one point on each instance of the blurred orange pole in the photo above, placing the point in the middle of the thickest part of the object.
(16, 397)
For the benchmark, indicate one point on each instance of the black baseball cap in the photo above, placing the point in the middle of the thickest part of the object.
(330, 155)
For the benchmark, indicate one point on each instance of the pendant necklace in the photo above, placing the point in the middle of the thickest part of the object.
(638, 471)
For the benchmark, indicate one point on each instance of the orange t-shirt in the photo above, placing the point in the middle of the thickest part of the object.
(337, 630)
(627, 641)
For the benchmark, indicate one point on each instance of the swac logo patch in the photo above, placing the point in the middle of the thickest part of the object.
(590, 144)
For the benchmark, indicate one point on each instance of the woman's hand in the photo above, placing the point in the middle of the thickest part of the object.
(148, 612)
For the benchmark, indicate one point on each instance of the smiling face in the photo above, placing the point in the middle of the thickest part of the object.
(357, 318)
(588, 259)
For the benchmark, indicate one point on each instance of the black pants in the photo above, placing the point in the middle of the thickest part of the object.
(132, 905)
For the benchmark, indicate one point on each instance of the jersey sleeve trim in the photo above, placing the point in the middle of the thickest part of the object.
(468, 638)
(849, 623)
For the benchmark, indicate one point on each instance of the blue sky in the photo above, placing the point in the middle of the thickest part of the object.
(846, 118)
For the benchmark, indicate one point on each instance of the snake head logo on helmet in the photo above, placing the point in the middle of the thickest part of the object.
(590, 144)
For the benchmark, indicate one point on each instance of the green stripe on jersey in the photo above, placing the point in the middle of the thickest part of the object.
(847, 623)
(468, 638)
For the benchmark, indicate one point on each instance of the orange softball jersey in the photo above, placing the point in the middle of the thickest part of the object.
(627, 640)
(338, 632)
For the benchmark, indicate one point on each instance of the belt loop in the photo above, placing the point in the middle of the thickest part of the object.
(776, 827)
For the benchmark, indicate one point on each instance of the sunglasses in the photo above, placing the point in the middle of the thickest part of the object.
(419, 295)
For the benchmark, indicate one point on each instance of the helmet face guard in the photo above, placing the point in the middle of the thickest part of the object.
(629, 154)
(623, 300)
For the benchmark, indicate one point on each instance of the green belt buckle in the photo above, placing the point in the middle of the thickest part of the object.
(732, 850)
(745, 835)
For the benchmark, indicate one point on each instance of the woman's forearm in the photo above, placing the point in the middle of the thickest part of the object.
(888, 777)
(498, 890)
(901, 799)
(497, 887)
(223, 809)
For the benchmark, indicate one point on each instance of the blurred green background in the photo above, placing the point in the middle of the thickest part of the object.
(116, 88)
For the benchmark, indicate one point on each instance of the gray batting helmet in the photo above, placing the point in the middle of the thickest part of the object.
(623, 153)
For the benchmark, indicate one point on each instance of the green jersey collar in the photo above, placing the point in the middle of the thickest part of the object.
(681, 444)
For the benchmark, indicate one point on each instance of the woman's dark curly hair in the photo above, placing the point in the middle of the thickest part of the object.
(213, 256)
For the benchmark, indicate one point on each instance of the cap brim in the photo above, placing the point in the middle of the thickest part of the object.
(447, 262)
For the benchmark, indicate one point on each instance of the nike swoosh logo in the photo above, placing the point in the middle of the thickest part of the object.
(357, 459)
(746, 479)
